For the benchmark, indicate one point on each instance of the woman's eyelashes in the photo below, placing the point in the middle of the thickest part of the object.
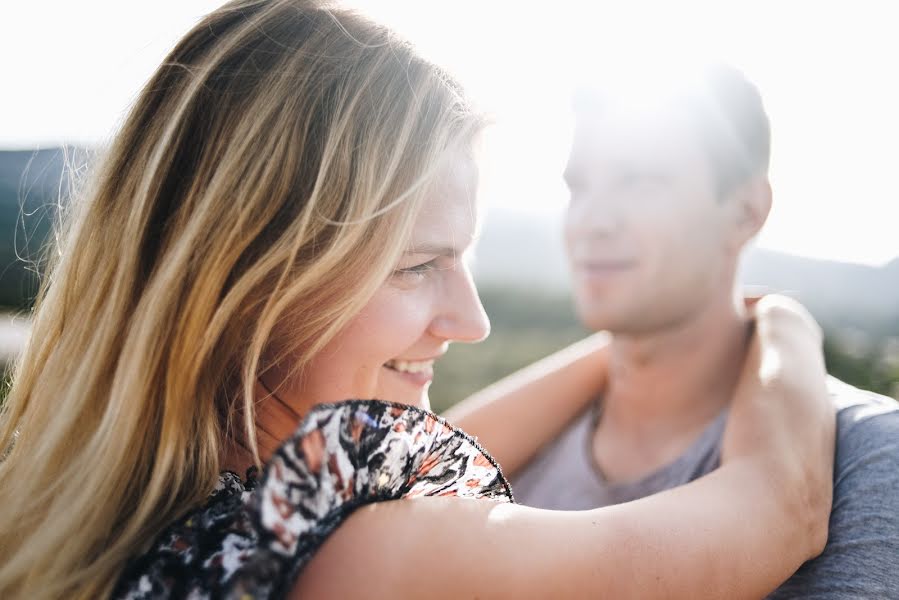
(418, 271)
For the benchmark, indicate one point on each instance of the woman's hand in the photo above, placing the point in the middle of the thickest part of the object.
(782, 420)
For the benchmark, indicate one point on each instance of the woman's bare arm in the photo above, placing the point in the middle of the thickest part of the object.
(714, 538)
(735, 533)
(516, 416)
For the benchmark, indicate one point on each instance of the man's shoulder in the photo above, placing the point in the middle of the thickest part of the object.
(864, 418)
(861, 558)
(867, 452)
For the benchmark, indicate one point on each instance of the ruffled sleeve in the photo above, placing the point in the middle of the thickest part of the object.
(346, 455)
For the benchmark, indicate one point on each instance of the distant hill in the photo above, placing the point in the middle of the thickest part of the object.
(31, 185)
(839, 293)
(524, 251)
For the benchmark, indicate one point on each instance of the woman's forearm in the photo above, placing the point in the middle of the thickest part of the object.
(730, 534)
(516, 416)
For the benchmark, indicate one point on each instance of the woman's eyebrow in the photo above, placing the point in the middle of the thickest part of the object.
(435, 249)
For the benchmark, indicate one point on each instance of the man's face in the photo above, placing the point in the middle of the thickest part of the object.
(648, 238)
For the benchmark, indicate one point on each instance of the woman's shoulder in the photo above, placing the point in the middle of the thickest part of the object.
(255, 537)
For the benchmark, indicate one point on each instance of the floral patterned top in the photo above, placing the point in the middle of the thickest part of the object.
(251, 539)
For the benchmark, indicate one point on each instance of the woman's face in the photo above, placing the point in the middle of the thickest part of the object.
(388, 350)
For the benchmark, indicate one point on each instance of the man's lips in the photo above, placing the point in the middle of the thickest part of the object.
(600, 266)
(600, 272)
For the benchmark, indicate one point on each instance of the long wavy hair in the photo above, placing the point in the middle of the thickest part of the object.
(261, 189)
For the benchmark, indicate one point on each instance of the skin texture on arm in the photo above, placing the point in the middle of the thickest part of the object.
(703, 540)
(736, 533)
(516, 416)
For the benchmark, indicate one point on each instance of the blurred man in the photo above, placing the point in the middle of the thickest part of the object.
(667, 187)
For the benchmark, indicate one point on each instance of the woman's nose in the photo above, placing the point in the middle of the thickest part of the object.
(462, 317)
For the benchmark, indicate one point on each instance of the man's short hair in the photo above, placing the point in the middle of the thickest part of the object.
(724, 107)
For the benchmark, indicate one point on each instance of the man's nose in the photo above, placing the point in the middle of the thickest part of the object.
(592, 214)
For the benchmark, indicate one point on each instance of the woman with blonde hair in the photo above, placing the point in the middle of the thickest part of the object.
(279, 227)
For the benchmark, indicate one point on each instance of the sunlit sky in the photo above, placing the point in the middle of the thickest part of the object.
(828, 72)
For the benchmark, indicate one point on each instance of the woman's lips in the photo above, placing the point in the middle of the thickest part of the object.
(418, 373)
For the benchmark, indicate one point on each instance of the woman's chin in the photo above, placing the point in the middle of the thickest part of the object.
(422, 401)
(407, 389)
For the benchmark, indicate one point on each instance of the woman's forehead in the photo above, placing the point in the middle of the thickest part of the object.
(449, 215)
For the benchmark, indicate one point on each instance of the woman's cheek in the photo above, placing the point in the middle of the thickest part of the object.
(404, 314)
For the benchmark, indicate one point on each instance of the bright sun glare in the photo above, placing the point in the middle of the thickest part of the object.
(832, 105)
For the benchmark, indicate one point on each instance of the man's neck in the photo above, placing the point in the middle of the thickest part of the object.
(665, 387)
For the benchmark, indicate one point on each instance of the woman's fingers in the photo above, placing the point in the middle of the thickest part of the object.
(781, 417)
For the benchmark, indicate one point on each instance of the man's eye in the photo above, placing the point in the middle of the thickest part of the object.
(641, 178)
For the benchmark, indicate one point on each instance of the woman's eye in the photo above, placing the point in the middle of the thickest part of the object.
(417, 270)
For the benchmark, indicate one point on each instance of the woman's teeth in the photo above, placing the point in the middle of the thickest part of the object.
(425, 366)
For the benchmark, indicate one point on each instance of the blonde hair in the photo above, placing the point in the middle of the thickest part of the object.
(265, 182)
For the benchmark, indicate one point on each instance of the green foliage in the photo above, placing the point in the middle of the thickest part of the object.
(525, 326)
(866, 371)
(528, 325)
(25, 227)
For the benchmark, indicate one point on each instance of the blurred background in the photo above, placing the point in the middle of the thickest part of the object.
(828, 72)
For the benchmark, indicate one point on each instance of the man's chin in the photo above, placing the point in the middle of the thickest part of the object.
(595, 318)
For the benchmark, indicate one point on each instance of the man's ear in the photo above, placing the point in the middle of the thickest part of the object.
(752, 203)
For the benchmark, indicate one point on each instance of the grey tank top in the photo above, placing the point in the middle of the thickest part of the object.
(564, 476)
